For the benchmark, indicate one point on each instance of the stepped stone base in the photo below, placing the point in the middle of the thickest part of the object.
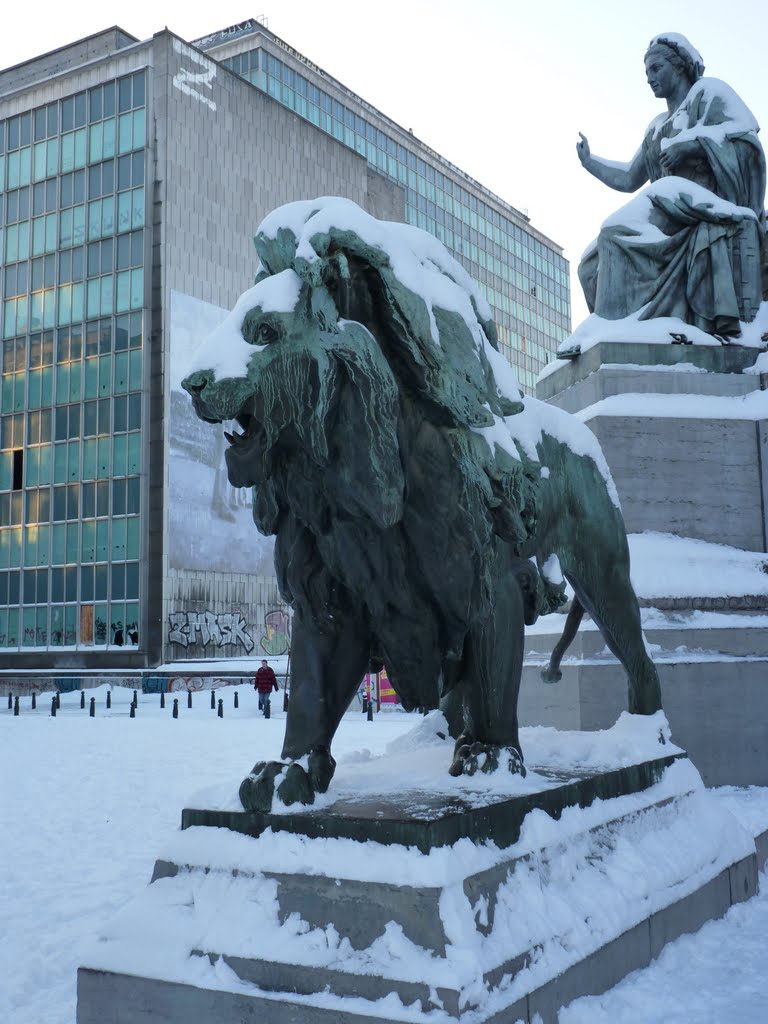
(150, 965)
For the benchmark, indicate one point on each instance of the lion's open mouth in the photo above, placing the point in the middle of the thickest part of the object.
(246, 422)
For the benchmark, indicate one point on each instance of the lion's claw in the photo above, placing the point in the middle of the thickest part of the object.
(485, 757)
(258, 788)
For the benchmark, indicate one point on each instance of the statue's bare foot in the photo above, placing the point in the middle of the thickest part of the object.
(290, 781)
(551, 675)
(485, 757)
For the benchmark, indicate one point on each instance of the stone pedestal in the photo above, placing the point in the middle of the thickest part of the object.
(226, 934)
(685, 460)
(685, 432)
(714, 689)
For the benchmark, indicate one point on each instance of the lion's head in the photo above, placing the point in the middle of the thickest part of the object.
(278, 366)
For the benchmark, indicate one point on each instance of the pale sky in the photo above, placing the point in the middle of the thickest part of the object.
(499, 87)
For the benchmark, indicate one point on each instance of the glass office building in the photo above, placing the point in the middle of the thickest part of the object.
(127, 211)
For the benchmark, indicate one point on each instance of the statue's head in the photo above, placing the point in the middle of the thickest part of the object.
(671, 55)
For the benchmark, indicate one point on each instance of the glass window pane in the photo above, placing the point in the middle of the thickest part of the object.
(137, 288)
(133, 544)
(137, 215)
(102, 539)
(123, 282)
(125, 131)
(108, 148)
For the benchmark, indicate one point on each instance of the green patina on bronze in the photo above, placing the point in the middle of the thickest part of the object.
(403, 537)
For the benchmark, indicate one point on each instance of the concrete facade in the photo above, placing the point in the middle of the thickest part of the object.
(226, 155)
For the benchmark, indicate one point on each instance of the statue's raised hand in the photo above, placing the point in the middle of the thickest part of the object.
(582, 149)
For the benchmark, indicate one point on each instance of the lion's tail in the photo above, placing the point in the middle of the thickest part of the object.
(552, 673)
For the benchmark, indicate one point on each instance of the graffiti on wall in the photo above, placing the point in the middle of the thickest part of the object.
(169, 684)
(277, 633)
(222, 630)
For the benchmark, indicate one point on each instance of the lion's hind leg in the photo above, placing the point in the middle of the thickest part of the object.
(609, 598)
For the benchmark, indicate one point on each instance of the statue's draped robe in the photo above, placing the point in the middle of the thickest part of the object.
(688, 246)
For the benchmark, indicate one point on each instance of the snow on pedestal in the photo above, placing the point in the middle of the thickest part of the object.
(516, 931)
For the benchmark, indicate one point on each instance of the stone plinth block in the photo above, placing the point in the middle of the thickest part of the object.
(684, 430)
(714, 686)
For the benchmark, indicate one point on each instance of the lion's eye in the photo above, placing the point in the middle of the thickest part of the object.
(266, 333)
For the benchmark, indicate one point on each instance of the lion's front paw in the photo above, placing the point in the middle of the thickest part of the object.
(485, 757)
(289, 781)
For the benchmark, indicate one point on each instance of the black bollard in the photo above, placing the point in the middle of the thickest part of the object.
(109, 699)
(237, 700)
(82, 699)
(175, 707)
(92, 710)
(189, 698)
(16, 706)
(34, 702)
(221, 708)
(370, 710)
(10, 701)
(53, 707)
(162, 699)
(135, 699)
(58, 701)
(213, 700)
(365, 705)
(133, 710)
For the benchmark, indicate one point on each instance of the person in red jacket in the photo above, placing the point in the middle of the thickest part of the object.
(265, 682)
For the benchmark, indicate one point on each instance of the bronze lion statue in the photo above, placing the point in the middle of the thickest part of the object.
(412, 489)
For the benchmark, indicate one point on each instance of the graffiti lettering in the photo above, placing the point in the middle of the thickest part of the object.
(225, 629)
(187, 81)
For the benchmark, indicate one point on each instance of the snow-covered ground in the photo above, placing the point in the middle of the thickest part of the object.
(87, 804)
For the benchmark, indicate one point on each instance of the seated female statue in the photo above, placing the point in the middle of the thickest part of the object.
(688, 245)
